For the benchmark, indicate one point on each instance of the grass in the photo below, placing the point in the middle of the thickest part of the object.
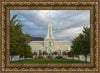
(49, 61)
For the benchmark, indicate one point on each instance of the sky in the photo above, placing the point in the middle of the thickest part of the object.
(66, 24)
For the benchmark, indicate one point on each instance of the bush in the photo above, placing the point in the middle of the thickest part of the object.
(40, 57)
(64, 53)
(35, 57)
(70, 54)
(35, 53)
(44, 53)
(49, 57)
(58, 57)
(55, 53)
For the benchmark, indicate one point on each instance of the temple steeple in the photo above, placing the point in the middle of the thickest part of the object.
(49, 34)
(49, 18)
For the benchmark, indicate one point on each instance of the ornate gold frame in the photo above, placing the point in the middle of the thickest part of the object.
(5, 8)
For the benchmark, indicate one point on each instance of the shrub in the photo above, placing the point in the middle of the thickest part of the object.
(64, 53)
(44, 53)
(35, 53)
(58, 57)
(40, 57)
(49, 57)
(35, 57)
(55, 53)
(70, 54)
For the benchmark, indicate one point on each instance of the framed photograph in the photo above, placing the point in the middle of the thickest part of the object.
(49, 36)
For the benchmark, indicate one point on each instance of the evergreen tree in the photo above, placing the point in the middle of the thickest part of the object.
(86, 42)
(81, 44)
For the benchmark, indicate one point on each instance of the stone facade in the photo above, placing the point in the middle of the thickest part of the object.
(56, 46)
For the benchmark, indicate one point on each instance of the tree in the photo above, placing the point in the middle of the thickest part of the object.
(55, 53)
(81, 44)
(26, 51)
(86, 42)
(71, 53)
(64, 53)
(14, 36)
(18, 40)
(34, 53)
(77, 45)
(44, 53)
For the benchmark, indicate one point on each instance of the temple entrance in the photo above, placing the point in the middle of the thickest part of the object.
(49, 51)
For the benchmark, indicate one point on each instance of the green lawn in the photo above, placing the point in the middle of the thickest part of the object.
(49, 61)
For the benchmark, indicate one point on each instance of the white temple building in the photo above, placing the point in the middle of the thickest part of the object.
(50, 44)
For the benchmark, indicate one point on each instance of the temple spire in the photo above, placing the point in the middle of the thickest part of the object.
(50, 34)
(49, 18)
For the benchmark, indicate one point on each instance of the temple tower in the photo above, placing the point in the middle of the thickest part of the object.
(50, 34)
(49, 41)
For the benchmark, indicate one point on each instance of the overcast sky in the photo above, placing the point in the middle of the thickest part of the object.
(66, 24)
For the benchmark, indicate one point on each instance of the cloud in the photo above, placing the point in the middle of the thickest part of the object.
(67, 24)
(69, 34)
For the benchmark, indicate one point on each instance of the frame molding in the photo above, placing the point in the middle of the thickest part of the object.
(92, 6)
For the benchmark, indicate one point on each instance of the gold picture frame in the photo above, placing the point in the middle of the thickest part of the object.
(6, 6)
